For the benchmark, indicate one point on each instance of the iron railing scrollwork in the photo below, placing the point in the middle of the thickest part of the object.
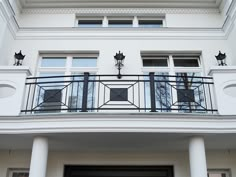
(141, 93)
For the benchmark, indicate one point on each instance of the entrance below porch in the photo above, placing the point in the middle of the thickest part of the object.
(118, 171)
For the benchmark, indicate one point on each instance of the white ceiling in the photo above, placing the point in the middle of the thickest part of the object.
(115, 142)
(121, 3)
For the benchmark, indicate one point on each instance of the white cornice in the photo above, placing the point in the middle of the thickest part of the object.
(130, 11)
(120, 3)
(126, 122)
(120, 33)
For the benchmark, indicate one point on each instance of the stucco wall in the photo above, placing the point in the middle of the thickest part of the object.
(214, 20)
(130, 48)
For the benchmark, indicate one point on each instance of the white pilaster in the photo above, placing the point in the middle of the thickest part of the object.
(105, 22)
(135, 21)
(225, 88)
(12, 89)
(39, 157)
(197, 157)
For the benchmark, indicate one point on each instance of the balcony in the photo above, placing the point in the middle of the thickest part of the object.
(131, 93)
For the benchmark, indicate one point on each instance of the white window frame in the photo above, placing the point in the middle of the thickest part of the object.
(171, 69)
(68, 69)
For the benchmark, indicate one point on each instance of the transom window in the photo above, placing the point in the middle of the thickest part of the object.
(120, 23)
(155, 61)
(68, 63)
(150, 23)
(84, 62)
(90, 22)
(53, 62)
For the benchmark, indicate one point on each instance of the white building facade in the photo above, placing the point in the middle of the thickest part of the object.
(72, 110)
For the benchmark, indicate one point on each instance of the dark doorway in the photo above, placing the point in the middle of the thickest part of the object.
(118, 171)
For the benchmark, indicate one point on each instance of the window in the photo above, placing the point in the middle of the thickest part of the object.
(177, 81)
(155, 61)
(186, 61)
(15, 172)
(59, 91)
(84, 62)
(53, 62)
(87, 23)
(120, 23)
(218, 173)
(150, 23)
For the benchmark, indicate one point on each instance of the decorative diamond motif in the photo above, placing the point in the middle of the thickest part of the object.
(53, 95)
(118, 94)
(185, 95)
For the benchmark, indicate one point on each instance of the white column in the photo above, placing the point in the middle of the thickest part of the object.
(39, 157)
(197, 157)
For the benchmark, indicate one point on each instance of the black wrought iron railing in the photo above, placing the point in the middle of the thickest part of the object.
(103, 93)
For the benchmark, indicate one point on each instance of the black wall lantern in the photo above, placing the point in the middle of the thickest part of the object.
(119, 57)
(221, 59)
(19, 59)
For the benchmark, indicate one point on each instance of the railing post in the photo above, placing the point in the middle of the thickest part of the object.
(152, 92)
(85, 92)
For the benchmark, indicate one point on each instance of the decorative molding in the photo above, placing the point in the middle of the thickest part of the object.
(120, 3)
(163, 33)
(120, 33)
(130, 11)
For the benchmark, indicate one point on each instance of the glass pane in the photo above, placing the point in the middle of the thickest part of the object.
(190, 92)
(186, 62)
(84, 62)
(76, 93)
(150, 23)
(155, 63)
(120, 23)
(49, 92)
(90, 23)
(53, 62)
(162, 92)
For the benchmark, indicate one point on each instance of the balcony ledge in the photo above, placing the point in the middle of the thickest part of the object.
(118, 122)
